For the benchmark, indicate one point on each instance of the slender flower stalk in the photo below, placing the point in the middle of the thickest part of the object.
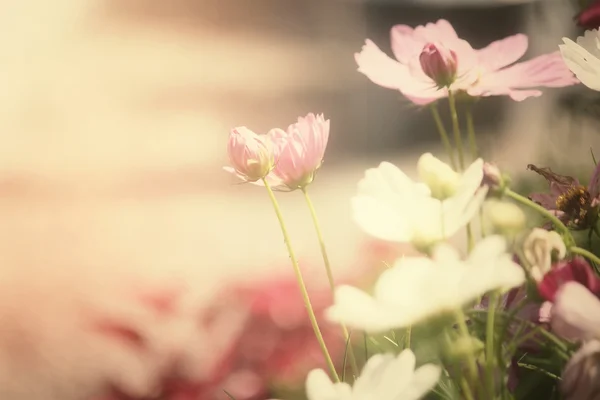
(443, 134)
(464, 331)
(558, 225)
(489, 344)
(407, 338)
(459, 149)
(456, 129)
(317, 226)
(305, 297)
(587, 254)
(464, 385)
(474, 154)
(471, 132)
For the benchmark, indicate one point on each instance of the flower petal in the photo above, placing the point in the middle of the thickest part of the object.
(380, 68)
(320, 387)
(382, 219)
(439, 31)
(576, 313)
(405, 45)
(424, 379)
(548, 70)
(502, 53)
(585, 65)
(356, 309)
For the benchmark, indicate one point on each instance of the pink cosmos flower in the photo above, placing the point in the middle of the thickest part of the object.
(252, 156)
(484, 72)
(300, 151)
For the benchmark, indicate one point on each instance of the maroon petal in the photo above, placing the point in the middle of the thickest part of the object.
(559, 184)
(577, 270)
(546, 200)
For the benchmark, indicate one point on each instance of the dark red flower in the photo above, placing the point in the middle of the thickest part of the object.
(589, 17)
(577, 270)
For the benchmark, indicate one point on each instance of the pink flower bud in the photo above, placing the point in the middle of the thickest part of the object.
(252, 156)
(439, 63)
(300, 151)
(492, 176)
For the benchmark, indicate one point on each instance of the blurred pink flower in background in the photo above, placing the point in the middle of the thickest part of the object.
(484, 72)
(74, 333)
(277, 346)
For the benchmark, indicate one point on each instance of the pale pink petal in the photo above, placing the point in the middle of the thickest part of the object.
(423, 101)
(504, 52)
(380, 68)
(405, 45)
(548, 70)
(440, 31)
(468, 63)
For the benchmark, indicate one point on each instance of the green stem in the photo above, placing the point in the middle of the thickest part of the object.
(459, 148)
(305, 297)
(464, 331)
(466, 389)
(471, 131)
(443, 134)
(587, 254)
(317, 226)
(474, 153)
(513, 346)
(489, 344)
(470, 240)
(407, 338)
(456, 129)
(558, 343)
(558, 225)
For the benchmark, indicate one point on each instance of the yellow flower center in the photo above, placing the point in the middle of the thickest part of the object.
(575, 203)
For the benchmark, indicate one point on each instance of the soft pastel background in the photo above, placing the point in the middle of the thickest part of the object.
(114, 116)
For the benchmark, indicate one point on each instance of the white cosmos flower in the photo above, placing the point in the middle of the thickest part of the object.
(419, 288)
(391, 206)
(583, 58)
(384, 377)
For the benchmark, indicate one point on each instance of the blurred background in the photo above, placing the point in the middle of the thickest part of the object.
(114, 116)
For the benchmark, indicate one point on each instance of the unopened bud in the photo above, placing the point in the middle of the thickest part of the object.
(439, 63)
(504, 218)
(492, 176)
